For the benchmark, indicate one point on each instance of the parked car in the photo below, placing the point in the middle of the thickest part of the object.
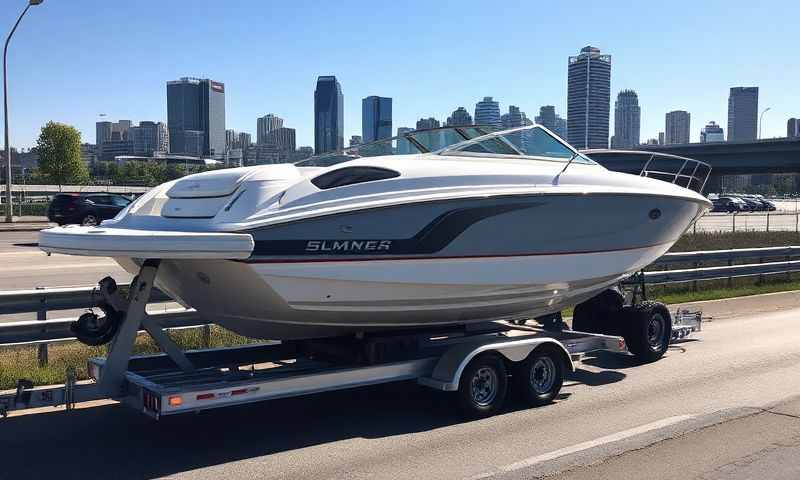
(768, 206)
(728, 204)
(89, 209)
(751, 204)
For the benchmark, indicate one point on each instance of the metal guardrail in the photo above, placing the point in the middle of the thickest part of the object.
(43, 300)
(733, 254)
(58, 330)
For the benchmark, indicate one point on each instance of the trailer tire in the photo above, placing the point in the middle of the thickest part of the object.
(539, 377)
(599, 314)
(483, 386)
(648, 330)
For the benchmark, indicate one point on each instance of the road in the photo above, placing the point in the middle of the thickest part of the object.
(748, 356)
(23, 265)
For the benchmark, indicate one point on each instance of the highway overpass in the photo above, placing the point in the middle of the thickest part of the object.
(780, 155)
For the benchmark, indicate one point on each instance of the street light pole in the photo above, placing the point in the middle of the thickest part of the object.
(761, 121)
(9, 212)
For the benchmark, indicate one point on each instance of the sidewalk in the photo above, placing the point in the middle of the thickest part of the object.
(26, 224)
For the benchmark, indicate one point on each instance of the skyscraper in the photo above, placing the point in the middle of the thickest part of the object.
(677, 127)
(102, 132)
(328, 115)
(487, 112)
(712, 133)
(588, 98)
(459, 117)
(661, 138)
(514, 118)
(356, 140)
(627, 118)
(742, 114)
(376, 118)
(230, 139)
(793, 128)
(244, 140)
(149, 138)
(551, 120)
(283, 138)
(266, 124)
(197, 106)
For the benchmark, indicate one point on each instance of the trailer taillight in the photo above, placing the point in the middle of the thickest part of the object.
(175, 400)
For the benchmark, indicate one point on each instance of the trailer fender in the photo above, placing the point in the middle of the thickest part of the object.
(451, 364)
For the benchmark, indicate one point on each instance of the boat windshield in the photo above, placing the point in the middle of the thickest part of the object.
(408, 143)
(531, 141)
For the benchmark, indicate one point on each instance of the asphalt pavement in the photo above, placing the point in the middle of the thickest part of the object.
(744, 361)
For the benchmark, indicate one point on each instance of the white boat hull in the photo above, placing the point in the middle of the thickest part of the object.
(306, 299)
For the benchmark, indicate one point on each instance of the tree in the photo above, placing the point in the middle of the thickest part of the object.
(59, 149)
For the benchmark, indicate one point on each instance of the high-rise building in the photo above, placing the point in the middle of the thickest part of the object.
(712, 133)
(266, 124)
(403, 145)
(196, 105)
(627, 118)
(230, 139)
(549, 119)
(149, 138)
(793, 128)
(328, 115)
(742, 114)
(356, 140)
(588, 98)
(428, 123)
(376, 118)
(677, 127)
(283, 138)
(102, 132)
(459, 117)
(245, 140)
(661, 138)
(487, 112)
(514, 118)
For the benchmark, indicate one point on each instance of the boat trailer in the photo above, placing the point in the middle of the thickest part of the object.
(478, 362)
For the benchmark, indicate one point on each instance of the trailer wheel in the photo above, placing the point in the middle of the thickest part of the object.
(599, 314)
(482, 386)
(540, 376)
(648, 330)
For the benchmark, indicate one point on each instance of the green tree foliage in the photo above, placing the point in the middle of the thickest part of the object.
(59, 149)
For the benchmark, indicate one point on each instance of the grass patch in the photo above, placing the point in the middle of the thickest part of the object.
(22, 361)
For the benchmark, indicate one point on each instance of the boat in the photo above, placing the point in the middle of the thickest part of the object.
(447, 226)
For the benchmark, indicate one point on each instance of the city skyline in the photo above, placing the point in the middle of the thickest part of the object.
(697, 85)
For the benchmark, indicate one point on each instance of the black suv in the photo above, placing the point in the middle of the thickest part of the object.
(88, 209)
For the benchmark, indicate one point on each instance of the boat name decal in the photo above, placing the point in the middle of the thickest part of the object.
(348, 245)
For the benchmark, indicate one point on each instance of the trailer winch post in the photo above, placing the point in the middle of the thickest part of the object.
(134, 317)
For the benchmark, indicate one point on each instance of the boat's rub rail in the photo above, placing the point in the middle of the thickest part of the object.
(119, 242)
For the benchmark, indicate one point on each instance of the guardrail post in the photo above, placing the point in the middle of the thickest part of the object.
(206, 336)
(730, 279)
(41, 314)
(734, 221)
(767, 221)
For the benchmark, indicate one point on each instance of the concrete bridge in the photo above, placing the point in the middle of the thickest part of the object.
(781, 155)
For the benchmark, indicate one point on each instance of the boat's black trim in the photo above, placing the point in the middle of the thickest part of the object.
(432, 238)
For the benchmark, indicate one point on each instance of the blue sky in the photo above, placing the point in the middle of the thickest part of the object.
(71, 60)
